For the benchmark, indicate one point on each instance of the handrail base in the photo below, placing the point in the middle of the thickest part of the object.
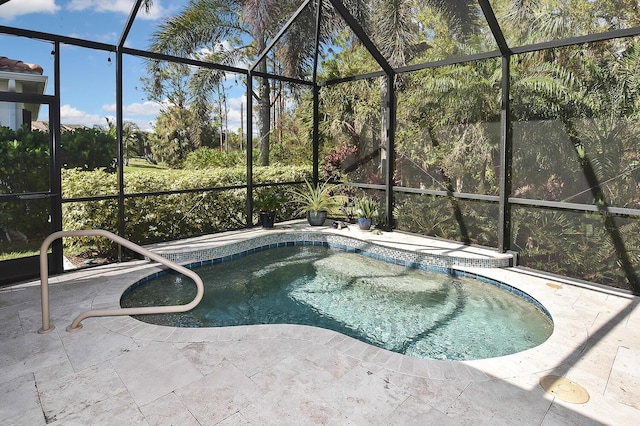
(48, 330)
(44, 281)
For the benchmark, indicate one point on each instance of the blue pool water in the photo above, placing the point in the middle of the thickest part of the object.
(414, 312)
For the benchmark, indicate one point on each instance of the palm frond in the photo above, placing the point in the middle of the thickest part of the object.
(201, 24)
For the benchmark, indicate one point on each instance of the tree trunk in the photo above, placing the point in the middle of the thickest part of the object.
(264, 108)
(384, 88)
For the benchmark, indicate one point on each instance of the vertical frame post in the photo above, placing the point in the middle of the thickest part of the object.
(316, 134)
(249, 149)
(390, 110)
(119, 133)
(506, 152)
(316, 98)
(56, 165)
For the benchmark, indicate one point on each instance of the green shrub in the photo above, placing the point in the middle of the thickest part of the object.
(89, 149)
(24, 161)
(447, 217)
(167, 217)
(24, 167)
(204, 158)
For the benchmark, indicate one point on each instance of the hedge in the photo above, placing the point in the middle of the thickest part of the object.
(151, 219)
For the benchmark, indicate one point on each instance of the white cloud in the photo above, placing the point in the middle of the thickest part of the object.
(14, 8)
(233, 120)
(148, 108)
(237, 102)
(111, 37)
(233, 113)
(144, 125)
(201, 54)
(117, 6)
(71, 115)
(142, 114)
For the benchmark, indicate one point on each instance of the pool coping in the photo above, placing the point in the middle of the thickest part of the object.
(378, 248)
(566, 342)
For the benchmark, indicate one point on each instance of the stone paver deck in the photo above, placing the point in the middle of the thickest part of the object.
(117, 371)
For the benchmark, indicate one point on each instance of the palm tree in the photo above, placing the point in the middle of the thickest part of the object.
(133, 139)
(206, 27)
(597, 112)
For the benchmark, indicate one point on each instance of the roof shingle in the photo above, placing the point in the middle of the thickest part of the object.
(14, 65)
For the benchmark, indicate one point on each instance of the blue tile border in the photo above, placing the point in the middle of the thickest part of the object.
(406, 258)
(338, 241)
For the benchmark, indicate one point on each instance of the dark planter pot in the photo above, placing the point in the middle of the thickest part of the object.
(267, 219)
(364, 223)
(316, 218)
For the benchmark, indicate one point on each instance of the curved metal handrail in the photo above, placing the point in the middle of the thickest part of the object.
(75, 325)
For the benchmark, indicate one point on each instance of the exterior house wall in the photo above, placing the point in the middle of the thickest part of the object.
(11, 113)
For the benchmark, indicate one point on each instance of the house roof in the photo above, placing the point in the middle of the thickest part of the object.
(43, 126)
(15, 65)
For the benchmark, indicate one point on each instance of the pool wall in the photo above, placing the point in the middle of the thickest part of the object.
(410, 259)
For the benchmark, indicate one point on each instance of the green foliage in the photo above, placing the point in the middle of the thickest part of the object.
(170, 141)
(574, 244)
(339, 162)
(473, 223)
(314, 198)
(185, 124)
(290, 151)
(141, 165)
(89, 149)
(102, 214)
(277, 198)
(24, 167)
(166, 217)
(24, 161)
(225, 32)
(77, 183)
(9, 252)
(269, 199)
(292, 137)
(366, 207)
(135, 141)
(204, 158)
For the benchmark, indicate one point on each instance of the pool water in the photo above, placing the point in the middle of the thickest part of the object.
(409, 311)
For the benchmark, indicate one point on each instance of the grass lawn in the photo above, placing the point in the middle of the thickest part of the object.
(17, 250)
(142, 165)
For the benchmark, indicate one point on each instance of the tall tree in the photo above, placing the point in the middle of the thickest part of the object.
(187, 113)
(232, 31)
(134, 140)
(225, 32)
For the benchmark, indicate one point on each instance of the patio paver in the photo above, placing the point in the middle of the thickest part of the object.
(116, 370)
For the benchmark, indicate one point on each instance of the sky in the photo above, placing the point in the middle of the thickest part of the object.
(88, 91)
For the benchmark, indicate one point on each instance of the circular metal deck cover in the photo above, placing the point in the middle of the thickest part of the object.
(564, 389)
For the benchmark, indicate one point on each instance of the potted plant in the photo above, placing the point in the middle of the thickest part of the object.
(267, 202)
(367, 209)
(316, 201)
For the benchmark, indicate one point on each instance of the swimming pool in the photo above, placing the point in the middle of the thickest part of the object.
(415, 312)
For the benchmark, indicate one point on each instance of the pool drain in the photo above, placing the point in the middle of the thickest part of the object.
(564, 389)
